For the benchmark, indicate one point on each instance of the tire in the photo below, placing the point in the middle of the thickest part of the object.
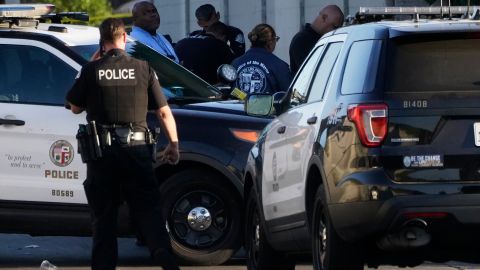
(260, 255)
(329, 251)
(206, 241)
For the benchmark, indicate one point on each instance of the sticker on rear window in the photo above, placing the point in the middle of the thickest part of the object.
(427, 161)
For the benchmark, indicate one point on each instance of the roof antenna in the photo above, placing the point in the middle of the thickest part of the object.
(449, 10)
(441, 8)
(468, 9)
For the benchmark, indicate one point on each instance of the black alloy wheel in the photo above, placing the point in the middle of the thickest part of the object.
(203, 217)
(260, 255)
(329, 251)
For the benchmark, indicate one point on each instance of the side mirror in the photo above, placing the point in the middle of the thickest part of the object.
(278, 96)
(227, 74)
(259, 104)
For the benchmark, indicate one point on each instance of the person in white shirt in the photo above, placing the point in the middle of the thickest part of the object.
(146, 21)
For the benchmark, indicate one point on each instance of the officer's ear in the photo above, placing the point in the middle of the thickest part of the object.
(124, 37)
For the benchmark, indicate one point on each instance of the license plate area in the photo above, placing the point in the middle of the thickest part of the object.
(476, 131)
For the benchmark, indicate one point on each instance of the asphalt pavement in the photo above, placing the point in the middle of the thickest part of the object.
(23, 252)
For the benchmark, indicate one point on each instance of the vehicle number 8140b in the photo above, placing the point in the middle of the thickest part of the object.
(62, 193)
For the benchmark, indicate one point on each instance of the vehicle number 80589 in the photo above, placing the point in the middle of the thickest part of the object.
(62, 193)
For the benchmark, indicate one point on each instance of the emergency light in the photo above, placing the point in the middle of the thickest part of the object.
(30, 11)
(454, 10)
(369, 14)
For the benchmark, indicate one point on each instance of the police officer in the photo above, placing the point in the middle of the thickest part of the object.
(116, 91)
(259, 70)
(204, 53)
(207, 15)
(329, 18)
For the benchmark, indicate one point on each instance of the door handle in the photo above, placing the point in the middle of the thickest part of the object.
(11, 122)
(281, 129)
(312, 120)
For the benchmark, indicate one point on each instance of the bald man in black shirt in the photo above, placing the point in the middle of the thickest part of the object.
(330, 18)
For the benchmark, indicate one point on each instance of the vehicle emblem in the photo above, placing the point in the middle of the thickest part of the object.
(407, 161)
(61, 153)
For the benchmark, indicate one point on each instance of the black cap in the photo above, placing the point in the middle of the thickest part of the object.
(205, 12)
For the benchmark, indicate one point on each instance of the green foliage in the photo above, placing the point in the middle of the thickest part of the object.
(94, 8)
(430, 1)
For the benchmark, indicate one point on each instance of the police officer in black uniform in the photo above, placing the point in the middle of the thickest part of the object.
(116, 91)
(207, 15)
(204, 53)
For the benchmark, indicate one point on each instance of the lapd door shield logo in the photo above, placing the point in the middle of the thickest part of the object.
(61, 153)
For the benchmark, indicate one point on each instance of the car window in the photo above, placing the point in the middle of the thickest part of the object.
(361, 69)
(176, 81)
(448, 61)
(174, 77)
(33, 75)
(323, 71)
(302, 82)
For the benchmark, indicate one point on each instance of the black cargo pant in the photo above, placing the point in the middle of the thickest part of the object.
(125, 173)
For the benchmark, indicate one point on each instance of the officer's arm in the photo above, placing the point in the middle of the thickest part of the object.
(171, 153)
(165, 116)
(75, 109)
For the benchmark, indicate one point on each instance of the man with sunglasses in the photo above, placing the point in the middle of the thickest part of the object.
(207, 15)
(146, 21)
(330, 18)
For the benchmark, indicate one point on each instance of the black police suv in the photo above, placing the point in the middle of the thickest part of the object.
(41, 173)
(374, 155)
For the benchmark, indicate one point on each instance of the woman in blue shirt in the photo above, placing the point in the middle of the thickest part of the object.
(259, 70)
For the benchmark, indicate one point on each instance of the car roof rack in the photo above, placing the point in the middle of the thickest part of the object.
(29, 15)
(57, 17)
(371, 14)
(23, 15)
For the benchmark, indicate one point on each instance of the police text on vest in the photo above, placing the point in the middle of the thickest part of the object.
(116, 74)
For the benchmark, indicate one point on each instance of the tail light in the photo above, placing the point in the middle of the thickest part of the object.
(371, 121)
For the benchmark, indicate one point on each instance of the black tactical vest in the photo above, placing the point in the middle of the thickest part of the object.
(121, 94)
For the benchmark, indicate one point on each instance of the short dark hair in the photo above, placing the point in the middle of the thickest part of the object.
(205, 12)
(111, 29)
(218, 28)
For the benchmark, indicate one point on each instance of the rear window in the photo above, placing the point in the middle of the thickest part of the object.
(434, 64)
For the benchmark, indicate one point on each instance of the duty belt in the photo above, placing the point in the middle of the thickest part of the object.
(123, 134)
(137, 136)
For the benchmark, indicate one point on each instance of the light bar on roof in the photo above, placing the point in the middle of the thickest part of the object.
(25, 10)
(455, 10)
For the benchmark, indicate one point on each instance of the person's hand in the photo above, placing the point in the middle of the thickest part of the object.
(96, 55)
(171, 155)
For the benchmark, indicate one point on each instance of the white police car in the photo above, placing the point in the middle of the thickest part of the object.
(41, 174)
(37, 146)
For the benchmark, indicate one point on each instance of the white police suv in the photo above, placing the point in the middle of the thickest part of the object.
(41, 174)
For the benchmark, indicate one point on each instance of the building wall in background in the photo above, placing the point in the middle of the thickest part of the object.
(286, 16)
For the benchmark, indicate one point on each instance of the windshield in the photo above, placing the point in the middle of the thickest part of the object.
(176, 81)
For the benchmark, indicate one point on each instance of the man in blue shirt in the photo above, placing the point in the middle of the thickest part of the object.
(146, 21)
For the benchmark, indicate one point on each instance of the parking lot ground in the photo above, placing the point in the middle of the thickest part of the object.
(23, 252)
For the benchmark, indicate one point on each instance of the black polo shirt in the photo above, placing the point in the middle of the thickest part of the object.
(235, 39)
(301, 45)
(203, 54)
